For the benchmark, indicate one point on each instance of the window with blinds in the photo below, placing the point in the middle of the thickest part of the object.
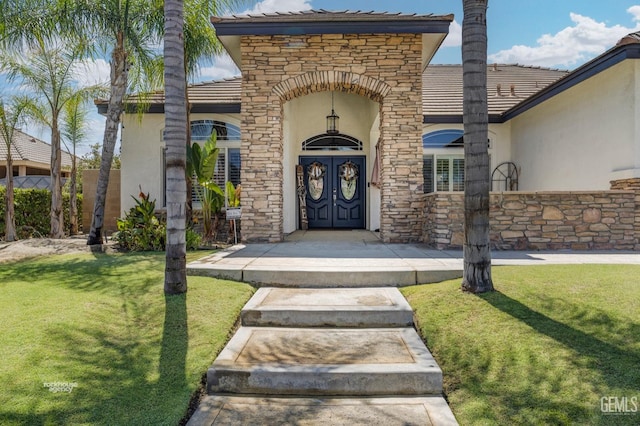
(447, 175)
(228, 167)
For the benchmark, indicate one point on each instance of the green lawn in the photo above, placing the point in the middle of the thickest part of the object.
(543, 349)
(101, 324)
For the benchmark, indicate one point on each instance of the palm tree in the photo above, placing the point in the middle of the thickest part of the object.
(130, 30)
(47, 69)
(11, 114)
(477, 250)
(176, 123)
(74, 132)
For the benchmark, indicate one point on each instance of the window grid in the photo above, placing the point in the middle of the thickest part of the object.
(447, 176)
(442, 174)
(457, 170)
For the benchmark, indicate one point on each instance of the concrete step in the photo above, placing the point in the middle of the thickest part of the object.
(319, 361)
(328, 265)
(407, 411)
(337, 307)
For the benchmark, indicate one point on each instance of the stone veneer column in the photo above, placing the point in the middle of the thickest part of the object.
(387, 68)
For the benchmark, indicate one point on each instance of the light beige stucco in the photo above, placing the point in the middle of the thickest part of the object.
(583, 137)
(141, 155)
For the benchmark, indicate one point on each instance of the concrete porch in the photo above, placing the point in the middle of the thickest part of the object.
(357, 258)
(330, 258)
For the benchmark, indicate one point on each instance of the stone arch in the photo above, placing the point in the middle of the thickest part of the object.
(320, 81)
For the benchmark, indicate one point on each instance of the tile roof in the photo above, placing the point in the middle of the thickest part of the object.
(322, 15)
(29, 148)
(507, 85)
(225, 91)
(441, 93)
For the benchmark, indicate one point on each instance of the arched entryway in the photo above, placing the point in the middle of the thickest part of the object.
(351, 150)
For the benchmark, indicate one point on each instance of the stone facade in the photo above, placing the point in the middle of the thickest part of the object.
(386, 68)
(542, 220)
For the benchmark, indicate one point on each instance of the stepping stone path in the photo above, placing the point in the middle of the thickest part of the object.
(325, 357)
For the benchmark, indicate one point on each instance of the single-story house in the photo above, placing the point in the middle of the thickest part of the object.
(31, 162)
(352, 98)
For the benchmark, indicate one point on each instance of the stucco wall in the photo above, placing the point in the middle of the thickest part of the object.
(583, 137)
(141, 154)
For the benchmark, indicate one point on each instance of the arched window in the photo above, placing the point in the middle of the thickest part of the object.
(332, 143)
(202, 129)
(228, 142)
(443, 171)
(448, 138)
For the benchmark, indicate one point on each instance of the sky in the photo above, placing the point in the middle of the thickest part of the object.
(549, 33)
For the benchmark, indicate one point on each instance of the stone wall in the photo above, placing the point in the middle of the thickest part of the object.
(542, 220)
(385, 68)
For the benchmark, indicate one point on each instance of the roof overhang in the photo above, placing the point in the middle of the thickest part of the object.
(434, 28)
(597, 65)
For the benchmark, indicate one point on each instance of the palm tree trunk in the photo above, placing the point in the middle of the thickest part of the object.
(73, 198)
(119, 76)
(57, 216)
(175, 280)
(477, 250)
(9, 212)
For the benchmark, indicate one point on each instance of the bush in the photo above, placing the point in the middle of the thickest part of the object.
(32, 211)
(141, 230)
(194, 240)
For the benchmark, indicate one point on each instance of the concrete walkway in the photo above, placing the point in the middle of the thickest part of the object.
(328, 340)
(359, 258)
(338, 356)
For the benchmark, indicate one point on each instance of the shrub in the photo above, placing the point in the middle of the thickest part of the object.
(32, 211)
(194, 240)
(141, 230)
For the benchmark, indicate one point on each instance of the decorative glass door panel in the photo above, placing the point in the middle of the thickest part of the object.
(335, 191)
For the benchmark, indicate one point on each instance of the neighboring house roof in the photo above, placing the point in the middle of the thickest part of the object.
(26, 148)
(507, 86)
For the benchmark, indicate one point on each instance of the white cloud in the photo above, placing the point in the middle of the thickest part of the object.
(269, 6)
(454, 38)
(222, 67)
(91, 72)
(571, 46)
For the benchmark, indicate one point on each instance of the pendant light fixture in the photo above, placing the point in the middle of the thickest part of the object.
(332, 120)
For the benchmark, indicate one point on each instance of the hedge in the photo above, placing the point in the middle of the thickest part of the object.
(32, 207)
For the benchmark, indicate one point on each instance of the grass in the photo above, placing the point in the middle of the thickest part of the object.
(101, 322)
(543, 349)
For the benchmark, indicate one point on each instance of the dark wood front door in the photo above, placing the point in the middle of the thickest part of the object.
(335, 191)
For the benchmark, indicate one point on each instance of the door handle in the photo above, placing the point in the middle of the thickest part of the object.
(335, 197)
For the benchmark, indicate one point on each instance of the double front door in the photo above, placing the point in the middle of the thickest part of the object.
(335, 188)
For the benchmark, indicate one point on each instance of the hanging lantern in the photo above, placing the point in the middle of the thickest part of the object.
(332, 120)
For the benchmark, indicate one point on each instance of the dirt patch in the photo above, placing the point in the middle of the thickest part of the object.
(35, 247)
